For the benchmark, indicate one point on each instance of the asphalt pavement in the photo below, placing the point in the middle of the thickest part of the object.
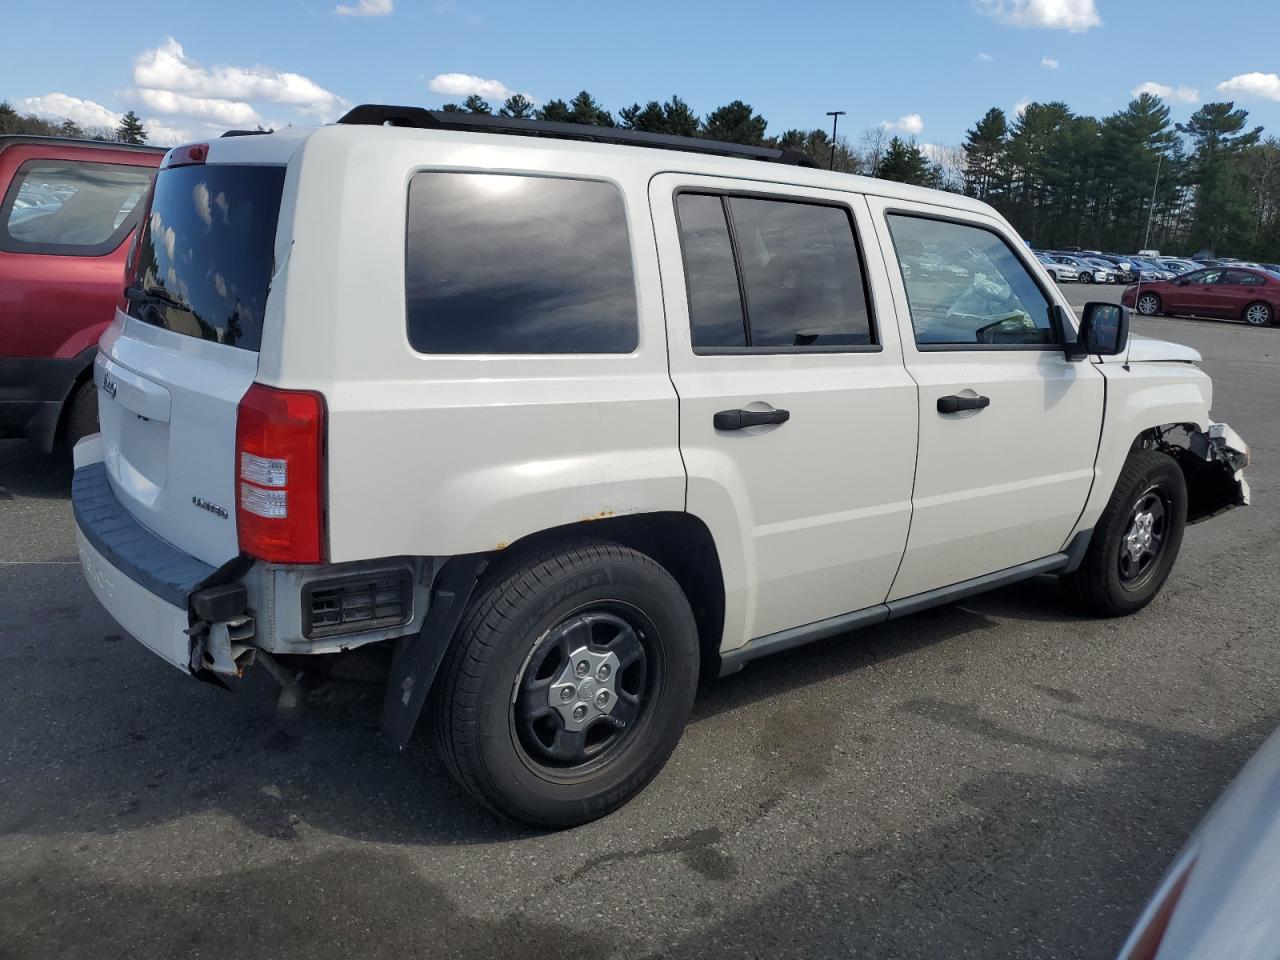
(995, 778)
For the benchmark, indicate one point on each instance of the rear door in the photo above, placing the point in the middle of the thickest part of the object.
(1234, 291)
(797, 418)
(172, 370)
(1008, 427)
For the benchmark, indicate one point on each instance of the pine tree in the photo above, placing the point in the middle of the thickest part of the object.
(556, 110)
(517, 106)
(131, 129)
(477, 104)
(1217, 132)
(735, 122)
(905, 162)
(984, 153)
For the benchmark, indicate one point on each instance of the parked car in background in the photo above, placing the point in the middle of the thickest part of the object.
(1059, 271)
(1089, 270)
(1148, 270)
(67, 213)
(1232, 293)
(635, 345)
(1218, 898)
(1178, 266)
(1121, 267)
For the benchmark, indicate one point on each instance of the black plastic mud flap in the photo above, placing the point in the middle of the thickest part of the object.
(417, 658)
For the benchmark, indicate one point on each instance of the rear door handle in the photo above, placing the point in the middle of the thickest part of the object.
(954, 404)
(737, 419)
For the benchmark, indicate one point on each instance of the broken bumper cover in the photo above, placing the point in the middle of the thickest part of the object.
(145, 583)
(1222, 456)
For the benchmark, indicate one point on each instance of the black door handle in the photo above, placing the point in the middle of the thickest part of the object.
(737, 419)
(955, 404)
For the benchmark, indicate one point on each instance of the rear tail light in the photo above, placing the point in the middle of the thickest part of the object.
(280, 474)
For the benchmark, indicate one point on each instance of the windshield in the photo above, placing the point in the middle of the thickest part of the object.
(206, 251)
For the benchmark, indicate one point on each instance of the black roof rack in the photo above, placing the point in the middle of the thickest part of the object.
(374, 114)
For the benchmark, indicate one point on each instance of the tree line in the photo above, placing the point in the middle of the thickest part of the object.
(1127, 181)
(129, 130)
(1122, 182)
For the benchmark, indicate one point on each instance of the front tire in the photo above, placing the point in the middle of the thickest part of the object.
(569, 683)
(1148, 305)
(1086, 276)
(1136, 540)
(1258, 314)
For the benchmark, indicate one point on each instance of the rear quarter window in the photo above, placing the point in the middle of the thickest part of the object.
(71, 207)
(514, 264)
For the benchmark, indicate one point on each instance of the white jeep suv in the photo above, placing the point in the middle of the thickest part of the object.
(561, 419)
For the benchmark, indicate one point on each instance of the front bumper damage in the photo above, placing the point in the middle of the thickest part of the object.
(1214, 464)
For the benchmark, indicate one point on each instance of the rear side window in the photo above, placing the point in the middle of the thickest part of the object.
(772, 275)
(205, 255)
(499, 263)
(967, 288)
(1241, 278)
(71, 207)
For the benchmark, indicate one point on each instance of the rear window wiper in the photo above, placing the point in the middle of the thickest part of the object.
(138, 294)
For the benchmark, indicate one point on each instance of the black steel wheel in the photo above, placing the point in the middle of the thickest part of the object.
(1136, 539)
(568, 683)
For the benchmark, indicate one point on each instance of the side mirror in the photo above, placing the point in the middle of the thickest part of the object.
(1104, 329)
(1182, 282)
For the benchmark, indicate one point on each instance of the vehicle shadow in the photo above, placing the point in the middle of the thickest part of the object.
(139, 745)
(1018, 871)
(27, 471)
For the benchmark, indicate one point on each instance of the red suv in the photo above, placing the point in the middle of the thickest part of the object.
(68, 211)
(1234, 293)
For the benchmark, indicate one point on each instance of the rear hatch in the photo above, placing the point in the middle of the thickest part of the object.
(175, 365)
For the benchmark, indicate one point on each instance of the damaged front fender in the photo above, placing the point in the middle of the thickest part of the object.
(1213, 464)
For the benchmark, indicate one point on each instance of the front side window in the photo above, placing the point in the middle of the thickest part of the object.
(772, 274)
(71, 207)
(513, 264)
(965, 286)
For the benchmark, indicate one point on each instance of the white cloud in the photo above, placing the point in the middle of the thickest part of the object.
(1020, 107)
(61, 106)
(1265, 85)
(911, 123)
(167, 67)
(985, 57)
(364, 8)
(231, 113)
(1074, 15)
(1050, 64)
(462, 84)
(163, 135)
(1166, 92)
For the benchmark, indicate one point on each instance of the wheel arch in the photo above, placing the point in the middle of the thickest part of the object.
(681, 542)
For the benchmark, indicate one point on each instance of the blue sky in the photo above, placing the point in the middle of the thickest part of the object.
(929, 69)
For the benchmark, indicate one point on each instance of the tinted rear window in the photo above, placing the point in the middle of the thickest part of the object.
(499, 263)
(205, 256)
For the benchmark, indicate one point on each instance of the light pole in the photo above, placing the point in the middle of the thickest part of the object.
(835, 116)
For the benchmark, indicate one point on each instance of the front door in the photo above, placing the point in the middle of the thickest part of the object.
(1008, 426)
(797, 417)
(1195, 293)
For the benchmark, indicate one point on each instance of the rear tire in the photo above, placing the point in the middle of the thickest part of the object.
(500, 722)
(1136, 540)
(1258, 314)
(1148, 305)
(1086, 276)
(82, 414)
